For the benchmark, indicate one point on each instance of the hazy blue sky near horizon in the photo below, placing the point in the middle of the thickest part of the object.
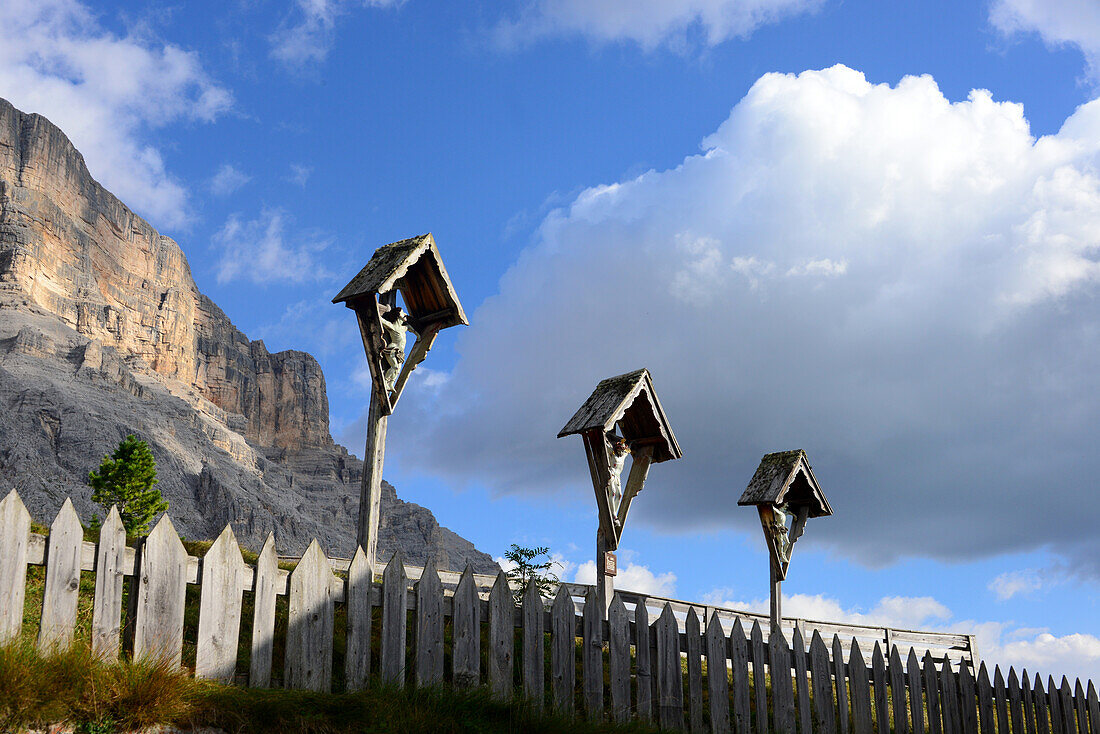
(866, 229)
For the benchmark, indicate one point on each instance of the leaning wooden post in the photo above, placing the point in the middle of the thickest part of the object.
(621, 417)
(413, 269)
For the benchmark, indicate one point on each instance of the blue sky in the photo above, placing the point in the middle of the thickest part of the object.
(796, 213)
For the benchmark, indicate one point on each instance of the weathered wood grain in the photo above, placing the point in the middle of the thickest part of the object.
(394, 631)
(759, 688)
(15, 528)
(985, 701)
(592, 654)
(563, 661)
(359, 618)
(952, 723)
(1039, 701)
(1081, 704)
(161, 591)
(802, 687)
(643, 660)
(1069, 715)
(220, 597)
(916, 692)
(109, 578)
(779, 663)
(670, 682)
(1054, 704)
(265, 587)
(1016, 706)
(932, 695)
(502, 615)
(739, 667)
(467, 632)
(1094, 709)
(618, 658)
(429, 626)
(1000, 700)
(1028, 700)
(717, 681)
(861, 691)
(840, 674)
(878, 679)
(62, 580)
(968, 701)
(534, 676)
(896, 676)
(310, 623)
(693, 644)
(824, 708)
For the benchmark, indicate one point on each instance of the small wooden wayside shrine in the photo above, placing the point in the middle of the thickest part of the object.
(784, 488)
(414, 269)
(621, 417)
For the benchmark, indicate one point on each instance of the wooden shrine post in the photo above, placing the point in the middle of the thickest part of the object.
(627, 404)
(413, 269)
(784, 488)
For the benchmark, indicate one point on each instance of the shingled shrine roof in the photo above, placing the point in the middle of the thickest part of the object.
(630, 401)
(786, 477)
(415, 267)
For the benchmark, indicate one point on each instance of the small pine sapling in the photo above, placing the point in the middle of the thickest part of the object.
(530, 566)
(126, 479)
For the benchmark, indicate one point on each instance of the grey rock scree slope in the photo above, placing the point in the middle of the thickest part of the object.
(104, 333)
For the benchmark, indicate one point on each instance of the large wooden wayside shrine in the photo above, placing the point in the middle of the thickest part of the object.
(414, 269)
(627, 404)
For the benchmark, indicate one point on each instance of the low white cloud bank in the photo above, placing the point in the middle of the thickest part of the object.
(649, 23)
(632, 577)
(999, 643)
(261, 251)
(305, 36)
(1058, 22)
(903, 285)
(107, 93)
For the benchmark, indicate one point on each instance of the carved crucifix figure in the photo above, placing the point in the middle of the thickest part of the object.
(778, 529)
(395, 327)
(617, 451)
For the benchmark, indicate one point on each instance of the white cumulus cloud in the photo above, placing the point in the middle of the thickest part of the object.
(902, 284)
(1058, 22)
(260, 251)
(632, 577)
(307, 33)
(227, 180)
(649, 23)
(1012, 583)
(107, 93)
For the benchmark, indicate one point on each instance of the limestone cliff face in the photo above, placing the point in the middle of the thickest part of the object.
(70, 247)
(103, 333)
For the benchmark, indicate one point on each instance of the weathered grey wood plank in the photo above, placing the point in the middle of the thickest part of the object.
(932, 695)
(265, 586)
(670, 682)
(467, 632)
(109, 578)
(1039, 701)
(739, 666)
(693, 644)
(1069, 714)
(534, 676)
(1054, 703)
(62, 580)
(985, 700)
(643, 661)
(1016, 705)
(220, 597)
(718, 686)
(840, 674)
(15, 528)
(502, 615)
(952, 723)
(592, 655)
(824, 708)
(429, 626)
(759, 687)
(359, 618)
(1094, 709)
(1082, 707)
(896, 676)
(878, 678)
(1028, 700)
(618, 659)
(1000, 700)
(563, 659)
(779, 663)
(310, 623)
(394, 631)
(968, 701)
(161, 592)
(861, 691)
(916, 692)
(805, 708)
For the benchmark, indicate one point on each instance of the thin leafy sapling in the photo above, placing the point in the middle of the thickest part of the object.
(531, 566)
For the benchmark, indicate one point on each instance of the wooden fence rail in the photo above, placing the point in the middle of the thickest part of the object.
(681, 669)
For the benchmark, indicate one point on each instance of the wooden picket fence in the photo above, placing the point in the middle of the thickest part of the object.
(679, 671)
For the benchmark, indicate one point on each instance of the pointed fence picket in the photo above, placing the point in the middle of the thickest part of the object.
(752, 685)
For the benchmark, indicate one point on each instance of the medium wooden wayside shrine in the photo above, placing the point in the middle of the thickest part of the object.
(621, 417)
(784, 487)
(413, 269)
